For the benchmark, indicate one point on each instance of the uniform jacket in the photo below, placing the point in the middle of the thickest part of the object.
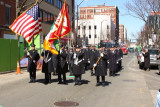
(112, 59)
(92, 58)
(62, 63)
(47, 62)
(35, 56)
(54, 60)
(101, 67)
(78, 63)
(70, 58)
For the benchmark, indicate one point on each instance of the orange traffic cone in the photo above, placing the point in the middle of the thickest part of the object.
(18, 68)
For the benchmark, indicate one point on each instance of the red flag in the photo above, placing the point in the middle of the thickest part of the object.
(60, 29)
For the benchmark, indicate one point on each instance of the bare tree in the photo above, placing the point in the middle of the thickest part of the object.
(142, 9)
(21, 5)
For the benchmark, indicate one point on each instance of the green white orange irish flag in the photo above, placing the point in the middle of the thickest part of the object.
(60, 28)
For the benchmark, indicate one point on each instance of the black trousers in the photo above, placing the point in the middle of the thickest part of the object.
(78, 78)
(112, 73)
(102, 77)
(47, 77)
(60, 78)
(71, 68)
(32, 75)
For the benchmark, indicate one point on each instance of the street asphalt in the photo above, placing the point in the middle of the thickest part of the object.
(131, 87)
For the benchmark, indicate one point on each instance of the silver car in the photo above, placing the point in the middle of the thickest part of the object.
(154, 54)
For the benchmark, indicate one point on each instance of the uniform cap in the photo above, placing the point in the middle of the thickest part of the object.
(33, 45)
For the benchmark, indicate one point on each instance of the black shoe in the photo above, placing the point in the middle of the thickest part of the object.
(49, 82)
(103, 84)
(76, 83)
(34, 80)
(92, 74)
(98, 84)
(79, 83)
(45, 82)
(65, 83)
(30, 81)
(59, 82)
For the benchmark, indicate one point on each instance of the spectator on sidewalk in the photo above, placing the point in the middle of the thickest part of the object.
(158, 99)
(146, 60)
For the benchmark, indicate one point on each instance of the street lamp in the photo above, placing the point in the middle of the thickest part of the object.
(77, 19)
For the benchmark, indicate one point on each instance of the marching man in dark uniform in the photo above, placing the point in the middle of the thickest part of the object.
(78, 65)
(112, 60)
(86, 58)
(47, 67)
(120, 56)
(92, 59)
(33, 57)
(70, 61)
(62, 65)
(100, 66)
(55, 63)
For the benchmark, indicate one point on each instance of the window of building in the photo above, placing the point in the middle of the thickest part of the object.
(95, 27)
(49, 18)
(7, 15)
(58, 4)
(68, 8)
(41, 15)
(97, 10)
(107, 27)
(95, 36)
(89, 36)
(49, 1)
(78, 27)
(89, 27)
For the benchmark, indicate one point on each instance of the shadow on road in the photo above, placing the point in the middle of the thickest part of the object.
(85, 81)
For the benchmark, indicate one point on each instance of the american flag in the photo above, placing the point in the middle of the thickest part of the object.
(28, 24)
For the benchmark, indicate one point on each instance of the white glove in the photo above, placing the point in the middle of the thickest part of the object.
(95, 65)
(117, 62)
(88, 61)
(74, 56)
(102, 55)
(121, 58)
(34, 61)
(28, 53)
(108, 62)
(60, 51)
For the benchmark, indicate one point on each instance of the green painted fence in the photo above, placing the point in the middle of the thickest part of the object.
(8, 54)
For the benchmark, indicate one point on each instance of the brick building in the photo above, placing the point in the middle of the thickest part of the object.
(113, 11)
(8, 15)
(122, 34)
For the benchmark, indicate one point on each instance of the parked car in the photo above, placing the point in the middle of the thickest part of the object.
(154, 54)
(131, 50)
(124, 50)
